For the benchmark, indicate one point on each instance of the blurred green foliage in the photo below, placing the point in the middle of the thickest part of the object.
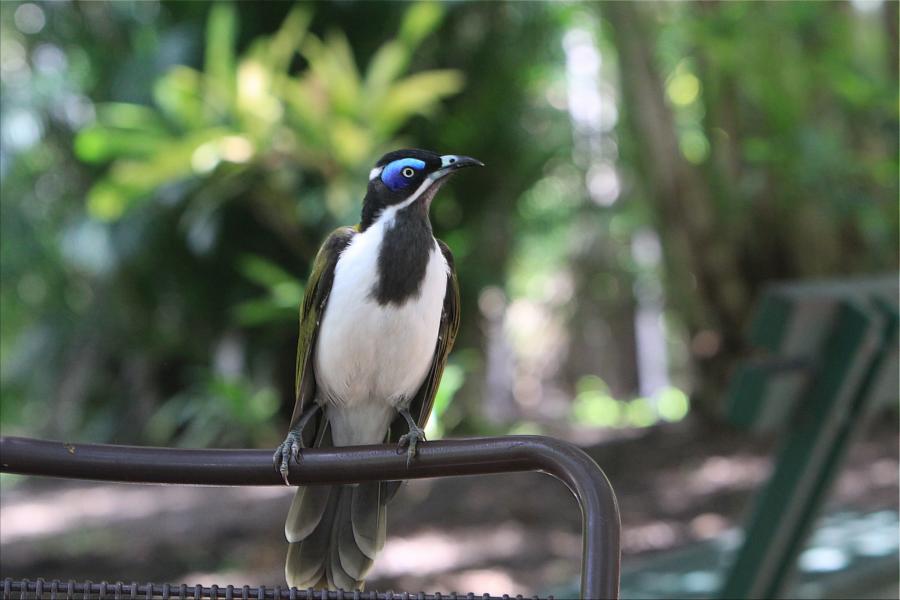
(783, 121)
(284, 293)
(159, 222)
(248, 116)
(215, 410)
(169, 169)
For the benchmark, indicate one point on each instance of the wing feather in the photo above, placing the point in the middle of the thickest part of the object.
(314, 302)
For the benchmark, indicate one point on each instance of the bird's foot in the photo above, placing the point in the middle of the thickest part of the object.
(289, 448)
(410, 441)
(292, 444)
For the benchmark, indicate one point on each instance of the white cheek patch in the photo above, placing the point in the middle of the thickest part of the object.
(375, 173)
(388, 214)
(415, 195)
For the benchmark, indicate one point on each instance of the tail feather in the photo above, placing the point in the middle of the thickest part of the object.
(301, 572)
(346, 565)
(354, 562)
(369, 526)
(335, 532)
(306, 512)
(305, 564)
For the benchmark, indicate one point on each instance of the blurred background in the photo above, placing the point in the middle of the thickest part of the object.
(168, 171)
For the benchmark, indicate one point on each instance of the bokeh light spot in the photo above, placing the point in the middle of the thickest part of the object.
(640, 413)
(683, 88)
(694, 146)
(29, 18)
(673, 404)
(823, 560)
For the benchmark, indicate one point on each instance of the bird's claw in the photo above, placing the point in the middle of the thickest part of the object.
(289, 448)
(410, 441)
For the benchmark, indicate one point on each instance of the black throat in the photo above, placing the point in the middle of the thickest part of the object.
(403, 257)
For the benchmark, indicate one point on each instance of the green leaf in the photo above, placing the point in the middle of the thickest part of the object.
(179, 94)
(286, 41)
(262, 271)
(335, 70)
(130, 180)
(221, 33)
(351, 144)
(142, 176)
(416, 94)
(392, 58)
(420, 20)
(285, 293)
(122, 115)
(257, 108)
(107, 201)
(253, 313)
(387, 65)
(308, 110)
(99, 144)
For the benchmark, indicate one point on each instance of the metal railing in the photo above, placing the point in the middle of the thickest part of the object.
(477, 456)
(40, 589)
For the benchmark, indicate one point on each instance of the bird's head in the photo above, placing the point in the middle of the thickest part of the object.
(408, 178)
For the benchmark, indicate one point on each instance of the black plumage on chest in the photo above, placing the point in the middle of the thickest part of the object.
(403, 257)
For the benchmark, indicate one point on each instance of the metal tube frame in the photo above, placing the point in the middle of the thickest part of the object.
(475, 456)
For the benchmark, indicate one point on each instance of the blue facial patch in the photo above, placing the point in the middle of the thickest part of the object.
(399, 174)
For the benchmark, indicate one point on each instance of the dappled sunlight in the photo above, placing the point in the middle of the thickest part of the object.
(49, 514)
(491, 581)
(708, 525)
(655, 535)
(436, 552)
(738, 472)
(680, 490)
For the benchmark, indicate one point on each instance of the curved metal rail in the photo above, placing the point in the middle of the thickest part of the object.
(477, 456)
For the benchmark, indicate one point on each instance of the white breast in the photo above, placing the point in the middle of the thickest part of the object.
(370, 359)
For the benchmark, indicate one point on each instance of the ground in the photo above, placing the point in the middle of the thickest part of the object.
(516, 533)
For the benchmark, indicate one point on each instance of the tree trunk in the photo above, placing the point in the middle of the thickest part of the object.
(704, 283)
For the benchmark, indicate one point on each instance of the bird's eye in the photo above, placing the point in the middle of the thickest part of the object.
(400, 174)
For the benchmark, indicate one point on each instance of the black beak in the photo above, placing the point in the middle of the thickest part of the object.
(451, 163)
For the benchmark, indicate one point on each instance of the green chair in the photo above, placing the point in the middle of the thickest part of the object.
(828, 356)
(825, 358)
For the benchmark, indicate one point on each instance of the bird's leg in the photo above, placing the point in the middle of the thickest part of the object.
(293, 442)
(410, 440)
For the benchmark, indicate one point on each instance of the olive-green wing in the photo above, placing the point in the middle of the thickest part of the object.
(422, 403)
(314, 302)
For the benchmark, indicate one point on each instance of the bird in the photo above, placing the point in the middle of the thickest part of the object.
(378, 319)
